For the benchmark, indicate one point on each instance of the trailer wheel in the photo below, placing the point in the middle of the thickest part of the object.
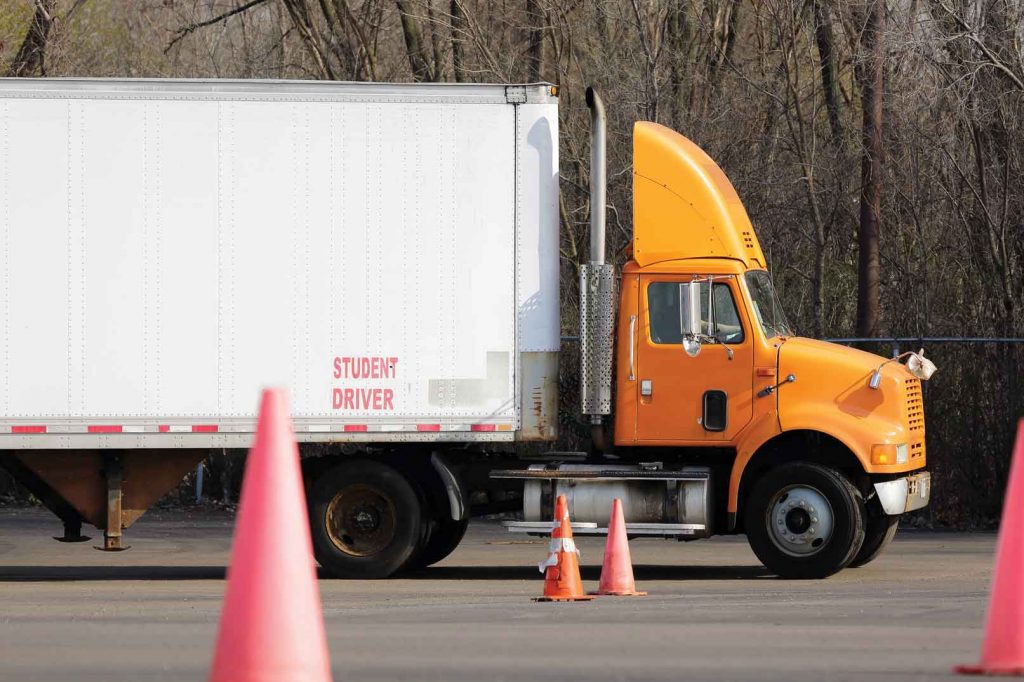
(445, 536)
(366, 520)
(879, 531)
(805, 520)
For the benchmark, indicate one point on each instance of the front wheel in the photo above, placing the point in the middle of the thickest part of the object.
(805, 520)
(365, 519)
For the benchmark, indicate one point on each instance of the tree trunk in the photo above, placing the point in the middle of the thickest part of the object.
(724, 39)
(31, 56)
(535, 41)
(435, 41)
(872, 86)
(678, 37)
(458, 37)
(414, 48)
(827, 61)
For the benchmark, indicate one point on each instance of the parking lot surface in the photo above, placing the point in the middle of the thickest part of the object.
(713, 613)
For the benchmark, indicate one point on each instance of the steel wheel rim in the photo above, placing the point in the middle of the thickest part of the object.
(361, 520)
(800, 520)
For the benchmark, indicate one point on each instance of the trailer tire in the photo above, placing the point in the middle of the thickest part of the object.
(365, 518)
(879, 531)
(805, 521)
(445, 536)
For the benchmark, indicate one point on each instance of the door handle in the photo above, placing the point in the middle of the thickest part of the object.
(632, 349)
(768, 390)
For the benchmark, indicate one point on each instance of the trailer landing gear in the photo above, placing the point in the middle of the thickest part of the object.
(72, 531)
(113, 531)
(109, 489)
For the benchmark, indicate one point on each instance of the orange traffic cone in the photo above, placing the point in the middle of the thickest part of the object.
(562, 569)
(271, 627)
(1003, 650)
(617, 570)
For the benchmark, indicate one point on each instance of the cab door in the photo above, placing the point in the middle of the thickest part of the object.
(692, 400)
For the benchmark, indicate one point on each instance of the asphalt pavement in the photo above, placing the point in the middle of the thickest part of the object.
(70, 612)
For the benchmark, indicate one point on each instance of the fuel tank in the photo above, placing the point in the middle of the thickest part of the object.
(649, 496)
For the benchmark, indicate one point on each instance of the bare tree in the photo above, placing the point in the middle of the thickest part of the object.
(31, 56)
(872, 84)
(535, 41)
(825, 41)
(458, 23)
(416, 50)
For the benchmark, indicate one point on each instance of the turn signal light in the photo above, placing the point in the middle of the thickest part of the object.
(889, 453)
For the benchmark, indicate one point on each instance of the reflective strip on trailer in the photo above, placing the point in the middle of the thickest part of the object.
(28, 429)
(105, 428)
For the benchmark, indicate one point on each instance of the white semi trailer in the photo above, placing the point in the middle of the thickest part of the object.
(387, 252)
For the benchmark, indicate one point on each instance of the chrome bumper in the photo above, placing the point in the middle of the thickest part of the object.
(905, 494)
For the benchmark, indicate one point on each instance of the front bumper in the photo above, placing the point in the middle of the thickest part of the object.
(906, 494)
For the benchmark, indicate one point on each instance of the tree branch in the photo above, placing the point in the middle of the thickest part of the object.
(191, 28)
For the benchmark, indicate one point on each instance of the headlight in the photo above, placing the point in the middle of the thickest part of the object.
(889, 453)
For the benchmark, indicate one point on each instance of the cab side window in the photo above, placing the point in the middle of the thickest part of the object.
(663, 309)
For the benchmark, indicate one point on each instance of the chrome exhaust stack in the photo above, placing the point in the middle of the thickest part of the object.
(598, 176)
(597, 280)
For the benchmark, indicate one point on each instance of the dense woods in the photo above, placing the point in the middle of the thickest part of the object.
(877, 144)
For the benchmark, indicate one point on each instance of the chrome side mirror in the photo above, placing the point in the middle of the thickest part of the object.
(689, 317)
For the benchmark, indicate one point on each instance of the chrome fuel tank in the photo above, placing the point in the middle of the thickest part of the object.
(648, 495)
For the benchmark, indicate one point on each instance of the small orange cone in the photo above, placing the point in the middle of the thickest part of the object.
(562, 568)
(271, 627)
(617, 570)
(1003, 650)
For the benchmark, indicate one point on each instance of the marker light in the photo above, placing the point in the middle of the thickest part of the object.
(889, 453)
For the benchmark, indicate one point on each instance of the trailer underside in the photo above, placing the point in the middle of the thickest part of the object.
(109, 489)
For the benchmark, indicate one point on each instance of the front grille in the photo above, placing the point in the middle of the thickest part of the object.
(914, 405)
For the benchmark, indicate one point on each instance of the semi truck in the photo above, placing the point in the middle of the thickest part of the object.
(390, 254)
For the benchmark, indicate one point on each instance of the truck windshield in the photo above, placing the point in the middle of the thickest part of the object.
(766, 305)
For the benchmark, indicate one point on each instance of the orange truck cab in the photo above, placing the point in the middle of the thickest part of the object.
(812, 449)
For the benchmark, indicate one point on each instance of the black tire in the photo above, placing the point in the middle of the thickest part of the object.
(793, 551)
(366, 520)
(879, 531)
(445, 536)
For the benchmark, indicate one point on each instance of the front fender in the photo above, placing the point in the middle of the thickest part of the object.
(833, 394)
(856, 435)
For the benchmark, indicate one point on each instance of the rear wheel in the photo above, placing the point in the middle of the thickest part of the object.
(445, 536)
(879, 531)
(365, 520)
(805, 520)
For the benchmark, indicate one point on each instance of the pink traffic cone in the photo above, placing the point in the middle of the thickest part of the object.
(1003, 650)
(617, 570)
(271, 627)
